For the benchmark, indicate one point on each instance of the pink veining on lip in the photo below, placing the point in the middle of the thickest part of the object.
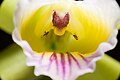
(52, 58)
(70, 58)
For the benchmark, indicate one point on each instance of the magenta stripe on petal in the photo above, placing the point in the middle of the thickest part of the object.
(41, 58)
(84, 59)
(75, 61)
(53, 57)
(70, 63)
(56, 61)
(63, 64)
(51, 60)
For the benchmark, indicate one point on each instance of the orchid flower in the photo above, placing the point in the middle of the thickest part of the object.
(64, 38)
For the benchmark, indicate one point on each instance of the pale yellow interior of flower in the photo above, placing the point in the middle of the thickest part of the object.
(90, 29)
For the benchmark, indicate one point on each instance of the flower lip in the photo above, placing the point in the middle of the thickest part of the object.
(59, 22)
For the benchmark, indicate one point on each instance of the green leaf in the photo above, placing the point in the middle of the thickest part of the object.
(7, 9)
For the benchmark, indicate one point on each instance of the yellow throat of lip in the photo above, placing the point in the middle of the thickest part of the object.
(81, 32)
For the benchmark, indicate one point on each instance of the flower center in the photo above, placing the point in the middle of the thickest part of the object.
(59, 22)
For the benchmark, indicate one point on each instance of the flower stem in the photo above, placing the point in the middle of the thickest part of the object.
(13, 65)
(7, 9)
